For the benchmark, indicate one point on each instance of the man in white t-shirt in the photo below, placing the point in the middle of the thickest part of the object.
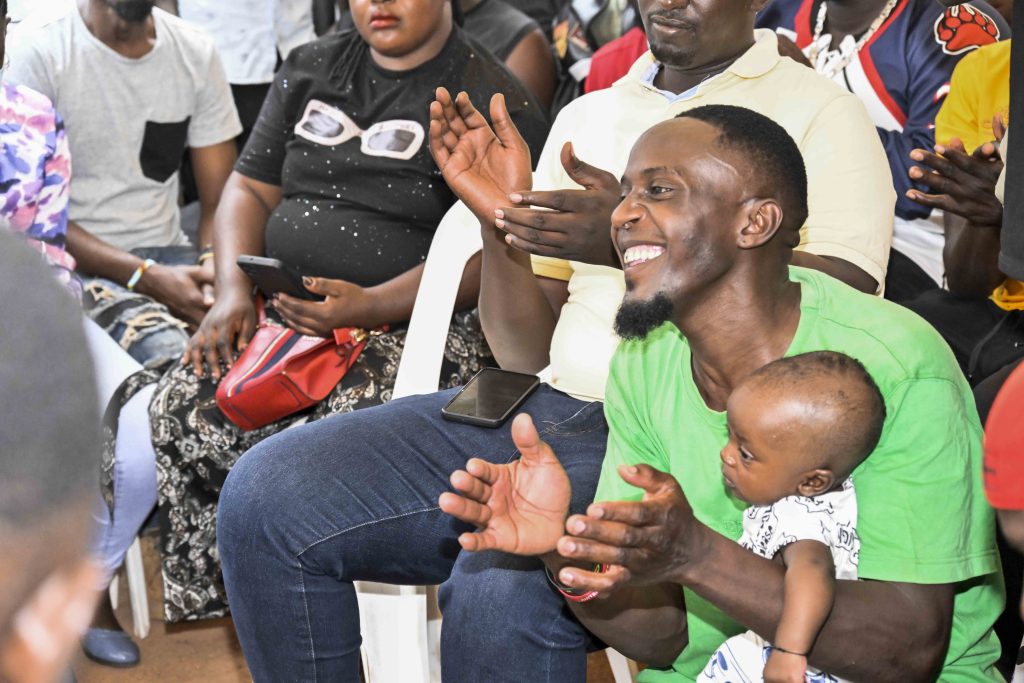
(136, 87)
(251, 37)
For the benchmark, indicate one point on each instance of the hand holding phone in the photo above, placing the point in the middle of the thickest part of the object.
(271, 277)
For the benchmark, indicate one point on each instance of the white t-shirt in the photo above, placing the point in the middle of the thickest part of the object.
(829, 519)
(129, 121)
(249, 34)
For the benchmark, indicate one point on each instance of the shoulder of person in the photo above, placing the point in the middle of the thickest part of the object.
(485, 72)
(779, 13)
(27, 98)
(871, 327)
(50, 35)
(193, 35)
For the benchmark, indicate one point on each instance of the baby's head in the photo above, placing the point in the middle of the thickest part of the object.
(800, 426)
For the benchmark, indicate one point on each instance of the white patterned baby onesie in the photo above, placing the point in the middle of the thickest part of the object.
(830, 518)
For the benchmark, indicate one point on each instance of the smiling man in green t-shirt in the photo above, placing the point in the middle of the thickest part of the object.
(712, 205)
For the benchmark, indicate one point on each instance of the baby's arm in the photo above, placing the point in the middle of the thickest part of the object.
(809, 591)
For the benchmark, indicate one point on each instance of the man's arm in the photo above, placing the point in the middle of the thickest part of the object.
(212, 166)
(177, 287)
(646, 623)
(963, 186)
(481, 166)
(876, 631)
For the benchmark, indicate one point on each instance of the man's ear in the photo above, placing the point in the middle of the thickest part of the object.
(764, 218)
(815, 483)
(45, 630)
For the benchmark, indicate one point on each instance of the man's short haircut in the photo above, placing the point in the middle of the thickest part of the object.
(849, 391)
(771, 152)
(49, 432)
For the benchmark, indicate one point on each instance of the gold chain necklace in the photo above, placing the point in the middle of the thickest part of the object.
(830, 67)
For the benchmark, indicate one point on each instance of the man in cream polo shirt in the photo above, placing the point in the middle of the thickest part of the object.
(354, 496)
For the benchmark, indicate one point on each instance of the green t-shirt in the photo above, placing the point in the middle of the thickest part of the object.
(922, 515)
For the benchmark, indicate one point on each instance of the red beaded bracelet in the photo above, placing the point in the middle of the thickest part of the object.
(569, 593)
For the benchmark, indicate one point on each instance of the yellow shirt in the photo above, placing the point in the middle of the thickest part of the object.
(979, 89)
(851, 198)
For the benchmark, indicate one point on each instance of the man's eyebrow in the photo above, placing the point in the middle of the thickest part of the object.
(658, 169)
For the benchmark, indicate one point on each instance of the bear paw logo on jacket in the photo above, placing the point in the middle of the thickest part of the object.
(964, 28)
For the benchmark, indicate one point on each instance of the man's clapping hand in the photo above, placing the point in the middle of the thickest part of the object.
(520, 507)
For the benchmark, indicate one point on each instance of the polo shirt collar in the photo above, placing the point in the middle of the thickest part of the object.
(761, 58)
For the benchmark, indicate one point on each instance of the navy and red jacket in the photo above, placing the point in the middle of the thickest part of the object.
(902, 73)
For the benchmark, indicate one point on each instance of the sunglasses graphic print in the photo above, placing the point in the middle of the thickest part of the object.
(326, 125)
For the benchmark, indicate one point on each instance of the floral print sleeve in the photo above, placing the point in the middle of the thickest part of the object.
(35, 176)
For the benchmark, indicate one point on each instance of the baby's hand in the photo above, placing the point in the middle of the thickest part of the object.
(783, 667)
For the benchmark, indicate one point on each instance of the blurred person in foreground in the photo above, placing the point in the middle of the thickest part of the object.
(49, 466)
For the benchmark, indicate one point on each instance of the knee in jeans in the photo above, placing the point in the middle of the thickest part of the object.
(252, 510)
(489, 579)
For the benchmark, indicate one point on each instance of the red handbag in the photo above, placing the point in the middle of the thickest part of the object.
(282, 372)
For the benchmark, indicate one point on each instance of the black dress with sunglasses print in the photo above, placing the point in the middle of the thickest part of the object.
(346, 142)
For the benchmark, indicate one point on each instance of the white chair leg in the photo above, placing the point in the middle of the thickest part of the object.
(394, 630)
(623, 670)
(137, 589)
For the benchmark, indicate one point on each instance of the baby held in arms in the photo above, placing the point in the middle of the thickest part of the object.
(798, 428)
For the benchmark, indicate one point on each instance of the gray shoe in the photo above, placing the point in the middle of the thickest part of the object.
(109, 647)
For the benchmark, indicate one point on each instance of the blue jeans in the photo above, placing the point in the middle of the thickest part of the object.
(144, 327)
(354, 498)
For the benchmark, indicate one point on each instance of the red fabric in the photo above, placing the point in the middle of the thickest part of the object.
(612, 61)
(1004, 446)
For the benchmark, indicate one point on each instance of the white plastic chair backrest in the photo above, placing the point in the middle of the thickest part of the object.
(456, 240)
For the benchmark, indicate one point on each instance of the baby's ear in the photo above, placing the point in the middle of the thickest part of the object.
(815, 483)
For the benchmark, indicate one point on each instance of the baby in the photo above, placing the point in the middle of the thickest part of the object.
(798, 427)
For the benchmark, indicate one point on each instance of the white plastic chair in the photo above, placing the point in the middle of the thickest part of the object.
(136, 589)
(405, 619)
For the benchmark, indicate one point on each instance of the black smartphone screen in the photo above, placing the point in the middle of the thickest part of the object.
(271, 276)
(490, 397)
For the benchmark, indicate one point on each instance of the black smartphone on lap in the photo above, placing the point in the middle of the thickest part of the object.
(490, 398)
(271, 277)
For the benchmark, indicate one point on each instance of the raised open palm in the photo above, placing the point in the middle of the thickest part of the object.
(520, 507)
(482, 165)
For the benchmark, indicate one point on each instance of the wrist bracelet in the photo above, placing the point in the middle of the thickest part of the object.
(205, 256)
(571, 594)
(790, 652)
(137, 275)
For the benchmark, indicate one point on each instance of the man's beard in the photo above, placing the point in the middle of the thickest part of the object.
(636, 319)
(672, 56)
(132, 11)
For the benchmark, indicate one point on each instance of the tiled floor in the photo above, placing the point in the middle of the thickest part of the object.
(201, 653)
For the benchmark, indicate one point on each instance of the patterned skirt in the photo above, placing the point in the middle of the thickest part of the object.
(196, 446)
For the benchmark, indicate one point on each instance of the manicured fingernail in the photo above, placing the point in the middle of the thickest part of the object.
(577, 526)
(498, 213)
(568, 578)
(597, 513)
(940, 149)
(499, 223)
(570, 547)
(515, 197)
(508, 240)
(917, 155)
(633, 469)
